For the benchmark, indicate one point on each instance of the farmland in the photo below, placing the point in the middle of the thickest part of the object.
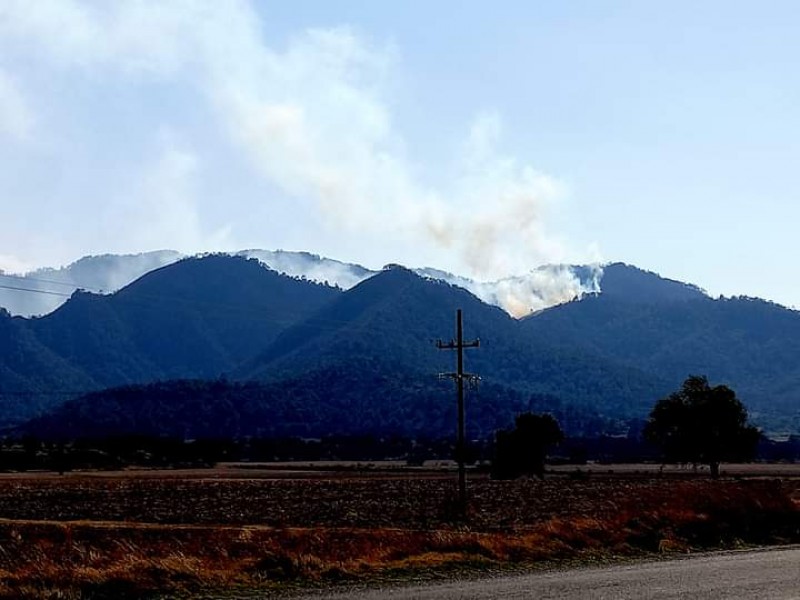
(86, 535)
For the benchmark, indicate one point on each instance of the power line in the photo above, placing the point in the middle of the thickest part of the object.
(53, 281)
(140, 299)
(34, 290)
(460, 376)
(38, 291)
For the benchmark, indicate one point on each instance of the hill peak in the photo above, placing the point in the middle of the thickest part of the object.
(631, 284)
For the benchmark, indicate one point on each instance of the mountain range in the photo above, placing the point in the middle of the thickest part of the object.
(220, 343)
(41, 291)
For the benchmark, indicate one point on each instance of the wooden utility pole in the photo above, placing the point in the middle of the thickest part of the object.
(460, 376)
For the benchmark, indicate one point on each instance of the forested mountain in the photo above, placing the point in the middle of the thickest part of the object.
(629, 284)
(367, 362)
(397, 315)
(673, 330)
(365, 359)
(32, 376)
(41, 291)
(199, 317)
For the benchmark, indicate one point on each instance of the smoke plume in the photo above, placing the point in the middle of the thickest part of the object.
(314, 117)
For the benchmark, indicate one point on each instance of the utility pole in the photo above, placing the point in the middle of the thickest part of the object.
(460, 376)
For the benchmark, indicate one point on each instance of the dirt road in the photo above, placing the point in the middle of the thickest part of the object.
(759, 574)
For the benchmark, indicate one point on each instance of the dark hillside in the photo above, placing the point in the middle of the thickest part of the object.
(196, 318)
(749, 344)
(395, 314)
(199, 317)
(349, 399)
(399, 315)
(32, 377)
(366, 358)
(630, 284)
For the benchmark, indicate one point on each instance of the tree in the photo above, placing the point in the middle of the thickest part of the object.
(522, 450)
(701, 424)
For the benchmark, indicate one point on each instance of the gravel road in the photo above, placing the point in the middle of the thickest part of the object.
(758, 574)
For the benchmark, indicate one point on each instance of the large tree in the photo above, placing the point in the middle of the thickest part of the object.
(701, 424)
(522, 450)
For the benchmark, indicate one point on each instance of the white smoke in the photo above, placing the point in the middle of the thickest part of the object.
(523, 295)
(502, 207)
(53, 285)
(541, 288)
(315, 118)
(12, 264)
(311, 266)
(162, 204)
(16, 118)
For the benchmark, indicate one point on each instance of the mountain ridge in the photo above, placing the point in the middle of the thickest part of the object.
(604, 358)
(39, 292)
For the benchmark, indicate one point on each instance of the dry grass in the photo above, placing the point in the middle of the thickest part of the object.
(334, 530)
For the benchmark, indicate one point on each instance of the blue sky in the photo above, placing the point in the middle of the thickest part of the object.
(482, 138)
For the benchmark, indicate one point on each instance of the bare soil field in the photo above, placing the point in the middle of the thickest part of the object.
(340, 501)
(133, 534)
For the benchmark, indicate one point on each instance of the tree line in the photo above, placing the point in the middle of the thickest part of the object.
(697, 424)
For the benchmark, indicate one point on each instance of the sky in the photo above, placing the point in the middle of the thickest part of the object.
(485, 139)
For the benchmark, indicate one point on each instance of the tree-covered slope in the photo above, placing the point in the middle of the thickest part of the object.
(360, 397)
(749, 344)
(397, 316)
(32, 377)
(199, 317)
(630, 284)
(367, 356)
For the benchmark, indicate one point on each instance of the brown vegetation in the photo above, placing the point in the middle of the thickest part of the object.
(124, 537)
